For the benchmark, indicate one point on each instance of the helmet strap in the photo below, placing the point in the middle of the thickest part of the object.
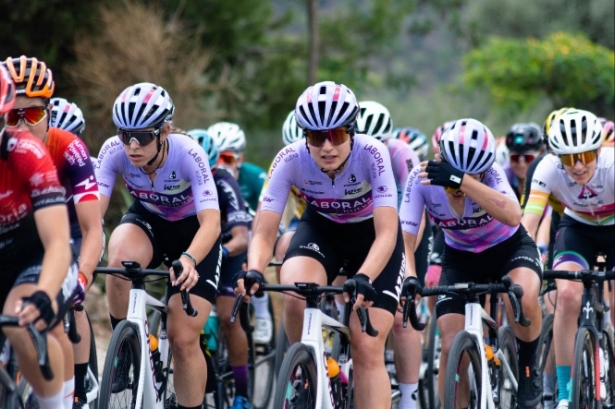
(157, 152)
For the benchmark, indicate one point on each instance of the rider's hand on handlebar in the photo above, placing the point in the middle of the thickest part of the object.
(410, 289)
(188, 278)
(37, 308)
(366, 293)
(251, 280)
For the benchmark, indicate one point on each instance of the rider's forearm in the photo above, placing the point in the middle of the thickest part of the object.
(52, 225)
(410, 241)
(89, 217)
(501, 207)
(207, 235)
(239, 241)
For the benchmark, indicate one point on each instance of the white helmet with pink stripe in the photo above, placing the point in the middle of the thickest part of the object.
(142, 106)
(326, 105)
(468, 145)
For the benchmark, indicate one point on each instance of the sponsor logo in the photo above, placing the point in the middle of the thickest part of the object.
(173, 175)
(14, 214)
(352, 178)
(312, 191)
(286, 154)
(6, 194)
(377, 165)
(291, 157)
(382, 189)
(539, 182)
(268, 199)
(313, 247)
(587, 193)
(207, 192)
(26, 145)
(353, 191)
(171, 187)
(312, 182)
(465, 223)
(203, 171)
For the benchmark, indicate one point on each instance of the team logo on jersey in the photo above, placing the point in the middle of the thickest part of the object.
(352, 178)
(207, 192)
(173, 175)
(382, 189)
(587, 193)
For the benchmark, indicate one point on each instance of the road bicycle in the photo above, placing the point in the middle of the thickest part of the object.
(593, 369)
(303, 380)
(143, 374)
(488, 367)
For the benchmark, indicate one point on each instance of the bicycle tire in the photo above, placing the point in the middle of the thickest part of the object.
(282, 345)
(226, 383)
(608, 348)
(264, 368)
(298, 371)
(431, 373)
(464, 345)
(584, 370)
(93, 360)
(547, 354)
(125, 335)
(508, 346)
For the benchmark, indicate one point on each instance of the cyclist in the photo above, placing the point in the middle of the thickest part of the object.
(467, 195)
(415, 139)
(608, 132)
(72, 160)
(525, 143)
(235, 223)
(351, 215)
(175, 214)
(581, 176)
(37, 262)
(67, 115)
(375, 120)
(231, 141)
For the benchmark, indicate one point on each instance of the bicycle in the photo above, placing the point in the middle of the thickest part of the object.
(492, 372)
(593, 367)
(303, 380)
(150, 384)
(428, 376)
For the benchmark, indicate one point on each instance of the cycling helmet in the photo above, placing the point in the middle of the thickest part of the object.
(290, 130)
(207, 143)
(575, 131)
(375, 120)
(415, 138)
(469, 146)
(7, 91)
(523, 137)
(66, 115)
(435, 138)
(141, 106)
(228, 136)
(547, 125)
(327, 105)
(502, 154)
(608, 133)
(32, 78)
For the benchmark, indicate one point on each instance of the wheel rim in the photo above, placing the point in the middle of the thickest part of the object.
(300, 388)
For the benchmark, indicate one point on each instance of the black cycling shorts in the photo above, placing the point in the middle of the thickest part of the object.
(230, 267)
(337, 245)
(578, 242)
(490, 265)
(169, 240)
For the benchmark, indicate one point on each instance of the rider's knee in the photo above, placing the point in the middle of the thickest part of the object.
(568, 299)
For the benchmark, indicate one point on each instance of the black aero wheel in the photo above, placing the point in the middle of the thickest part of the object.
(506, 393)
(584, 371)
(297, 380)
(282, 346)
(93, 362)
(120, 377)
(462, 388)
(433, 348)
(607, 373)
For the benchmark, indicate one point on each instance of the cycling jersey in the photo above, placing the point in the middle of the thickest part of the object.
(72, 160)
(554, 203)
(512, 179)
(251, 179)
(366, 182)
(593, 203)
(295, 194)
(474, 231)
(403, 159)
(232, 209)
(28, 182)
(184, 185)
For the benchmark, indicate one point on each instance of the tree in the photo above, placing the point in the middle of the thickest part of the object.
(568, 69)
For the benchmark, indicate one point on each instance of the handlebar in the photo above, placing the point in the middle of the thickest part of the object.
(583, 275)
(469, 291)
(133, 271)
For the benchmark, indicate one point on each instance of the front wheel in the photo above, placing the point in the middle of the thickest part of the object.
(120, 377)
(584, 371)
(297, 379)
(463, 383)
(506, 392)
(607, 371)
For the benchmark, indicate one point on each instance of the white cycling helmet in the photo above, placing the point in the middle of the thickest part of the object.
(228, 136)
(141, 106)
(502, 154)
(326, 105)
(290, 130)
(375, 120)
(575, 131)
(66, 115)
(469, 146)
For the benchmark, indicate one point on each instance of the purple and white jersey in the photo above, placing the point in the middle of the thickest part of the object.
(403, 159)
(366, 182)
(184, 185)
(475, 230)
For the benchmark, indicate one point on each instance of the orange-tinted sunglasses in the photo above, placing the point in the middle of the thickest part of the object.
(337, 136)
(31, 115)
(229, 158)
(572, 158)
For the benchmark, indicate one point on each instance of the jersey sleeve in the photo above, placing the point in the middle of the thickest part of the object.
(496, 178)
(541, 187)
(384, 188)
(195, 168)
(527, 185)
(230, 198)
(110, 163)
(80, 172)
(411, 210)
(278, 184)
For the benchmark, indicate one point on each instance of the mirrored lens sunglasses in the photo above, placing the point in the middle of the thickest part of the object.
(31, 115)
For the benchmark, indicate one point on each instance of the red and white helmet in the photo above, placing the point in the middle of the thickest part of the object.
(575, 131)
(608, 132)
(7, 91)
(326, 105)
(435, 138)
(66, 115)
(469, 146)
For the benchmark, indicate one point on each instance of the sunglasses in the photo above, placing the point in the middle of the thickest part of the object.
(516, 157)
(229, 158)
(573, 158)
(143, 138)
(337, 136)
(32, 115)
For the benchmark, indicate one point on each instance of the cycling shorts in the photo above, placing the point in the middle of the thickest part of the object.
(579, 243)
(519, 250)
(169, 240)
(336, 245)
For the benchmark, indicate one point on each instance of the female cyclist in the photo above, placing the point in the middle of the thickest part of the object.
(467, 195)
(351, 219)
(581, 175)
(175, 214)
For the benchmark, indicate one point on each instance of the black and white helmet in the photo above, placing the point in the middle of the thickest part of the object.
(228, 136)
(141, 106)
(290, 130)
(326, 105)
(375, 120)
(469, 146)
(66, 115)
(575, 131)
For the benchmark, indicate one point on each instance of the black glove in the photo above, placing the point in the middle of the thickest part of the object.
(443, 174)
(249, 279)
(41, 301)
(411, 287)
(364, 286)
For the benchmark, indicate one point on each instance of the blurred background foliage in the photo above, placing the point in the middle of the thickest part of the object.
(246, 61)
